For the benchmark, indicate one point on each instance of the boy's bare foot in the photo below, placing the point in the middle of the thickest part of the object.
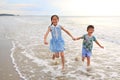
(53, 57)
(88, 68)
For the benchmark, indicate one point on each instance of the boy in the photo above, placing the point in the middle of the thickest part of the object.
(88, 44)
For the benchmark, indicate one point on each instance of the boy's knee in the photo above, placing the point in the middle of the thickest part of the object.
(82, 59)
(88, 57)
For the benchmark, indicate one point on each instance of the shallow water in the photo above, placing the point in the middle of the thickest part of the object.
(32, 59)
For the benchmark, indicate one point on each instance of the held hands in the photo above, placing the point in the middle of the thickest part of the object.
(74, 39)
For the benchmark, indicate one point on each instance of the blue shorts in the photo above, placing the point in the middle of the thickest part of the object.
(86, 53)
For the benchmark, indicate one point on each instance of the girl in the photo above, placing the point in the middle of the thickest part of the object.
(57, 42)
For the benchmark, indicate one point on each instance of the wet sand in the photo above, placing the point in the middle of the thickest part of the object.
(7, 71)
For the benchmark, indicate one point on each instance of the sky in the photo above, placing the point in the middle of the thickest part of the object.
(61, 7)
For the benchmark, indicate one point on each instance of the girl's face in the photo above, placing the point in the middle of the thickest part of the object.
(90, 30)
(54, 20)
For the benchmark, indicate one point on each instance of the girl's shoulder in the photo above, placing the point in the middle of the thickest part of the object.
(57, 26)
(51, 27)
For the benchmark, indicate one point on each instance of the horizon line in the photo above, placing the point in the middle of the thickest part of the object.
(63, 15)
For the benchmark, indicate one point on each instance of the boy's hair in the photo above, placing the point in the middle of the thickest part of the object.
(90, 26)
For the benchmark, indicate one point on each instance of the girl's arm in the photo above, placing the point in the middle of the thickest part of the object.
(68, 33)
(45, 36)
(99, 44)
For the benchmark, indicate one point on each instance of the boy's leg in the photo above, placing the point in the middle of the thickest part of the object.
(62, 59)
(88, 64)
(83, 54)
(88, 61)
(88, 58)
(83, 58)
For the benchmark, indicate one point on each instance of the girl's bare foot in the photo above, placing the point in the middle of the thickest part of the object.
(63, 69)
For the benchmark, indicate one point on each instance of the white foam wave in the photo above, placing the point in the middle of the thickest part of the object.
(14, 63)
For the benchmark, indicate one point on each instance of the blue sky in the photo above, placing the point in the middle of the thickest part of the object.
(28, 7)
(61, 7)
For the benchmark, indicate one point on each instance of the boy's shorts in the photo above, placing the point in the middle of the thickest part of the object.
(86, 53)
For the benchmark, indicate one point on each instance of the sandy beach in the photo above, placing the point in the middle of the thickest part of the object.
(7, 71)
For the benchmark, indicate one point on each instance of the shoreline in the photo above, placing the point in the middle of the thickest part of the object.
(7, 69)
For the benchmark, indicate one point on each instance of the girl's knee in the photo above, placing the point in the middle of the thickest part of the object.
(57, 55)
(62, 55)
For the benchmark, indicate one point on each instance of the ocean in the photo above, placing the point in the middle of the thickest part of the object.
(33, 60)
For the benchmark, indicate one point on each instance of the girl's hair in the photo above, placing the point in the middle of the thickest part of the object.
(54, 16)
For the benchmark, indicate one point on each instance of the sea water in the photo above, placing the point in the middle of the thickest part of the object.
(33, 60)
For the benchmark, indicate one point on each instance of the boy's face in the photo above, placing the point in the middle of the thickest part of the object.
(90, 30)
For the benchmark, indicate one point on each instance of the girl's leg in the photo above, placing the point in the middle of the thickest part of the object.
(88, 61)
(55, 55)
(63, 60)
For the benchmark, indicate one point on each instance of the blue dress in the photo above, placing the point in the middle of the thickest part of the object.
(57, 42)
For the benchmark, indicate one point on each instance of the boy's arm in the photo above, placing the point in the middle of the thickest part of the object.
(45, 36)
(78, 38)
(98, 44)
(68, 33)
